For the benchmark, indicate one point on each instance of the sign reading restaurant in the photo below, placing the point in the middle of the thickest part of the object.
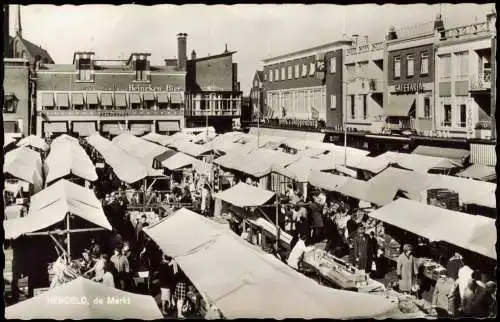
(409, 87)
(137, 88)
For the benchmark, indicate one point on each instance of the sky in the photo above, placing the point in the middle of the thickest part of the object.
(255, 31)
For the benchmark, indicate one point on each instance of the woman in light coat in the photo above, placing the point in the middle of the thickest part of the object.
(407, 269)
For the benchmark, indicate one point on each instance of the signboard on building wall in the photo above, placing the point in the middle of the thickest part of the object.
(139, 88)
(409, 87)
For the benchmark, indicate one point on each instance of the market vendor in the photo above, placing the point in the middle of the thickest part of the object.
(407, 269)
(443, 297)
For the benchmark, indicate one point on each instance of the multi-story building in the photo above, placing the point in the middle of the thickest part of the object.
(257, 93)
(364, 79)
(213, 96)
(111, 95)
(17, 99)
(409, 95)
(464, 73)
(305, 87)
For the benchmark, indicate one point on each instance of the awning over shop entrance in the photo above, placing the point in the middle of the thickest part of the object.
(47, 99)
(149, 96)
(84, 128)
(92, 99)
(176, 98)
(168, 126)
(135, 98)
(244, 195)
(399, 105)
(113, 128)
(106, 99)
(120, 100)
(55, 127)
(62, 100)
(77, 99)
(162, 98)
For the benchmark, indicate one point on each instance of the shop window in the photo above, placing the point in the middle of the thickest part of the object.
(333, 102)
(447, 115)
(353, 107)
(410, 65)
(289, 72)
(304, 70)
(84, 69)
(312, 69)
(462, 65)
(297, 71)
(427, 107)
(333, 65)
(424, 63)
(397, 67)
(141, 70)
(276, 75)
(463, 115)
(363, 67)
(270, 75)
(10, 103)
(445, 67)
(283, 75)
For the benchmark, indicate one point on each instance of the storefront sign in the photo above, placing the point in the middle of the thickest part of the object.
(138, 88)
(409, 87)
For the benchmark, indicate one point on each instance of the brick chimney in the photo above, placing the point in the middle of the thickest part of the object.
(181, 51)
(391, 35)
(355, 40)
(193, 55)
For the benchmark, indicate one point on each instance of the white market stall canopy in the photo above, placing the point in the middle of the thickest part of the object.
(327, 181)
(177, 161)
(242, 279)
(300, 170)
(51, 206)
(8, 140)
(456, 155)
(68, 157)
(122, 305)
(193, 149)
(156, 138)
(417, 162)
(479, 172)
(25, 164)
(141, 149)
(197, 130)
(34, 141)
(127, 168)
(244, 195)
(471, 232)
(178, 136)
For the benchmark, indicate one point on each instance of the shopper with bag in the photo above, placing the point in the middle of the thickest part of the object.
(407, 270)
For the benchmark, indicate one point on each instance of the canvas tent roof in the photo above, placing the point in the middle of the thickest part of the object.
(67, 157)
(479, 171)
(327, 181)
(476, 233)
(455, 155)
(417, 162)
(139, 148)
(137, 306)
(244, 195)
(242, 274)
(300, 169)
(8, 140)
(34, 141)
(25, 164)
(156, 138)
(194, 149)
(177, 161)
(51, 205)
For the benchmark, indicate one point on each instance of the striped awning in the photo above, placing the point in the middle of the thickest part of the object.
(146, 127)
(47, 99)
(135, 98)
(162, 97)
(120, 100)
(77, 99)
(168, 126)
(84, 128)
(92, 98)
(113, 128)
(176, 98)
(148, 96)
(106, 99)
(60, 127)
(62, 100)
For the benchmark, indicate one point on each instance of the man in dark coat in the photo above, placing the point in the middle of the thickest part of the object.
(360, 244)
(454, 264)
(371, 251)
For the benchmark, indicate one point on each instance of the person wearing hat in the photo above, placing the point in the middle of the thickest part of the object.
(442, 298)
(407, 269)
(166, 277)
(455, 263)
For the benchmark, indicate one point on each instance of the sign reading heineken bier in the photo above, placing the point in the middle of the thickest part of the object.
(138, 88)
(409, 87)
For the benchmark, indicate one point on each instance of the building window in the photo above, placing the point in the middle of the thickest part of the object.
(462, 65)
(276, 75)
(447, 115)
(351, 70)
(333, 65)
(283, 75)
(312, 69)
(463, 115)
(397, 67)
(410, 65)
(304, 70)
(256, 83)
(265, 76)
(141, 70)
(289, 72)
(427, 107)
(84, 70)
(10, 103)
(424, 64)
(365, 107)
(270, 75)
(363, 67)
(333, 102)
(297, 71)
(445, 67)
(353, 107)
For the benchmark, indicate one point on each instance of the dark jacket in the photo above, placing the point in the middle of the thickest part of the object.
(372, 247)
(360, 247)
(478, 304)
(453, 266)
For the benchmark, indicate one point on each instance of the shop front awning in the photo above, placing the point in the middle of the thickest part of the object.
(399, 105)
(135, 98)
(148, 96)
(479, 172)
(77, 98)
(457, 155)
(113, 128)
(162, 98)
(34, 141)
(55, 127)
(47, 99)
(135, 306)
(62, 100)
(471, 232)
(51, 205)
(176, 98)
(244, 195)
(106, 99)
(168, 126)
(178, 161)
(92, 99)
(120, 100)
(241, 273)
(146, 127)
(84, 128)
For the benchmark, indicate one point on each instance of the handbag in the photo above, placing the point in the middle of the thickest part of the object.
(374, 266)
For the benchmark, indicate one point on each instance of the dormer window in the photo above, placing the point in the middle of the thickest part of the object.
(84, 69)
(141, 67)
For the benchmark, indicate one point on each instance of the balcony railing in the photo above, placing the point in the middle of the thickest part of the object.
(461, 31)
(365, 48)
(291, 123)
(233, 112)
(481, 81)
(113, 112)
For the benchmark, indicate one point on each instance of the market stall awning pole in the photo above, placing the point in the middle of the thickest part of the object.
(68, 236)
(277, 225)
(59, 232)
(58, 244)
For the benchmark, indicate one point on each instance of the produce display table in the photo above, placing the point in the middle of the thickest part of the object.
(151, 217)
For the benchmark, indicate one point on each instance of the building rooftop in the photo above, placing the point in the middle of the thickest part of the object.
(214, 56)
(33, 49)
(107, 67)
